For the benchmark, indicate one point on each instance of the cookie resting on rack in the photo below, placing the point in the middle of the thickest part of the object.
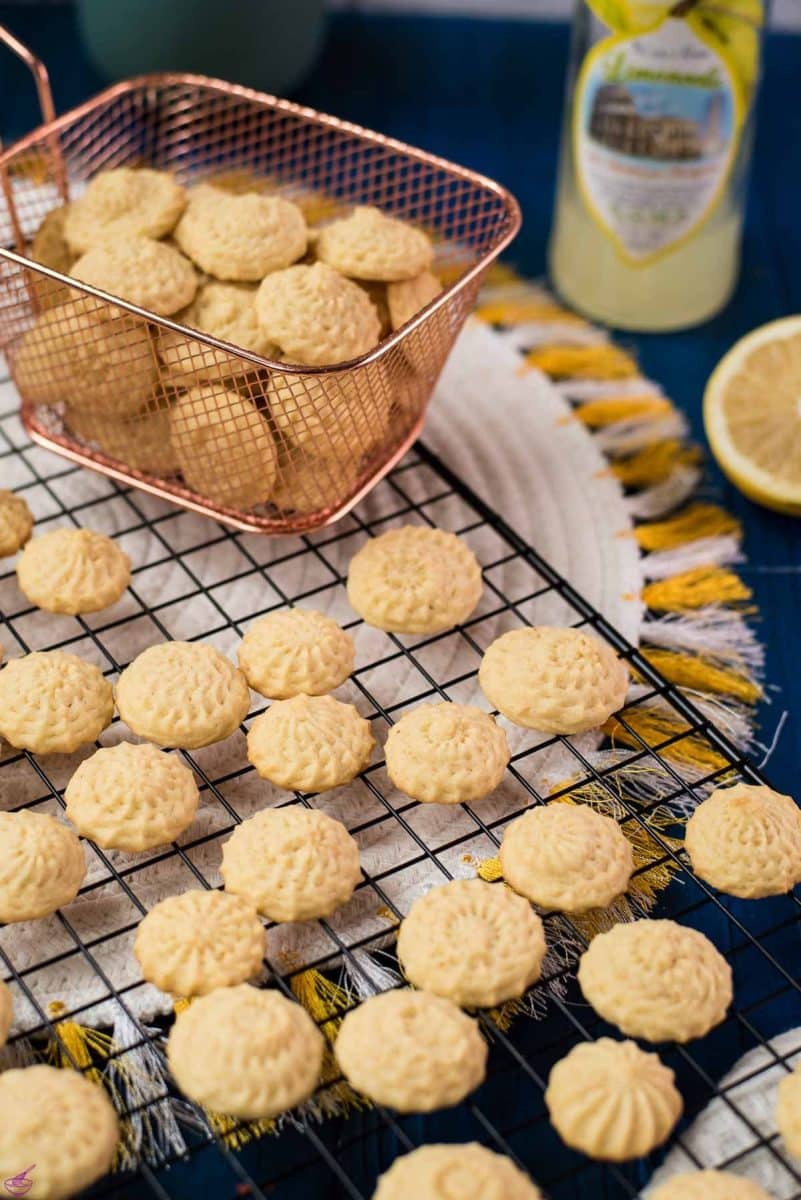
(413, 1051)
(446, 754)
(656, 980)
(788, 1111)
(198, 941)
(310, 743)
(121, 202)
(553, 680)
(149, 274)
(6, 1013)
(42, 865)
(52, 702)
(57, 1124)
(414, 580)
(708, 1185)
(612, 1101)
(291, 863)
(566, 857)
(73, 571)
(475, 943)
(369, 244)
(240, 236)
(16, 523)
(295, 650)
(455, 1172)
(316, 315)
(226, 311)
(745, 841)
(245, 1051)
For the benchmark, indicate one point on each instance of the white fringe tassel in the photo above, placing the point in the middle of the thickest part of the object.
(720, 634)
(703, 552)
(662, 498)
(140, 1075)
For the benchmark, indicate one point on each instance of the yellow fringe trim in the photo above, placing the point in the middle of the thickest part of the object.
(78, 1045)
(609, 410)
(327, 1003)
(654, 463)
(696, 588)
(604, 361)
(698, 673)
(696, 521)
(528, 310)
(656, 726)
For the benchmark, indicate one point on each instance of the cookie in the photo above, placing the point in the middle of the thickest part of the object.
(414, 580)
(455, 1172)
(140, 442)
(292, 863)
(310, 743)
(788, 1111)
(121, 203)
(190, 944)
(224, 447)
(316, 316)
(368, 244)
(227, 312)
(656, 980)
(709, 1185)
(566, 857)
(745, 840)
(331, 415)
(406, 298)
(131, 797)
(41, 865)
(150, 274)
(57, 1128)
(446, 754)
(612, 1100)
(16, 523)
(261, 1054)
(553, 680)
(241, 237)
(309, 482)
(52, 702)
(182, 694)
(474, 943)
(296, 650)
(73, 571)
(412, 1051)
(49, 247)
(6, 1013)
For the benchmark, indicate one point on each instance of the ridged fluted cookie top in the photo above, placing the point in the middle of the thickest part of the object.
(310, 743)
(41, 865)
(73, 571)
(316, 315)
(16, 523)
(446, 753)
(369, 244)
(144, 272)
(241, 236)
(455, 1172)
(333, 414)
(408, 296)
(296, 650)
(52, 702)
(226, 311)
(121, 202)
(709, 1185)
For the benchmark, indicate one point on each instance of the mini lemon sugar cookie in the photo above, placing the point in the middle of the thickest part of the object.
(553, 680)
(474, 943)
(309, 481)
(73, 571)
(190, 944)
(182, 694)
(566, 857)
(368, 244)
(316, 315)
(52, 702)
(296, 650)
(331, 415)
(412, 1051)
(131, 797)
(49, 247)
(247, 1052)
(708, 1185)
(406, 298)
(122, 202)
(612, 1100)
(656, 980)
(414, 580)
(292, 863)
(241, 237)
(16, 523)
(446, 754)
(745, 840)
(141, 440)
(42, 865)
(788, 1111)
(6, 1013)
(150, 274)
(310, 743)
(455, 1172)
(227, 312)
(58, 1124)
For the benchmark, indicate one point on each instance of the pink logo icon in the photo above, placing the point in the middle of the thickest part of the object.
(19, 1185)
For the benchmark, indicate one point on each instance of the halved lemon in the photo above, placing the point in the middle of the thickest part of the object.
(752, 415)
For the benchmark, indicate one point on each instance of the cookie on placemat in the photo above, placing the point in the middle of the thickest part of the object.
(150, 274)
(6, 1013)
(292, 863)
(52, 702)
(122, 202)
(406, 298)
(745, 840)
(553, 680)
(227, 312)
(368, 244)
(42, 865)
(241, 237)
(73, 571)
(446, 754)
(475, 943)
(198, 941)
(57, 1128)
(708, 1185)
(316, 315)
(312, 481)
(131, 797)
(566, 857)
(656, 980)
(310, 743)
(788, 1111)
(334, 414)
(612, 1100)
(247, 1052)
(455, 1172)
(140, 441)
(414, 580)
(183, 694)
(412, 1051)
(16, 523)
(296, 650)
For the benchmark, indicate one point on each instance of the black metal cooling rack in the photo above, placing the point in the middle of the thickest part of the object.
(342, 1156)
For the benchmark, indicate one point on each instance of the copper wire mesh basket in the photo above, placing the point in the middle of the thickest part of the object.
(266, 446)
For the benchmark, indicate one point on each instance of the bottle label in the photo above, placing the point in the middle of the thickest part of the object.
(656, 126)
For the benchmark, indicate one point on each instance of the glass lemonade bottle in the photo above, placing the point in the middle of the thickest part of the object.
(656, 145)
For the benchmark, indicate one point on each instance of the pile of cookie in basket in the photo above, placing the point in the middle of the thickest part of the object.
(464, 945)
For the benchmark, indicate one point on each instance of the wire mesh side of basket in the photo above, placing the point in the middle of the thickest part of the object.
(244, 440)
